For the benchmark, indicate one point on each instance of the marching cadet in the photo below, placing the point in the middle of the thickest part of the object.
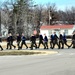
(73, 40)
(18, 41)
(0, 45)
(11, 41)
(65, 41)
(51, 41)
(23, 38)
(55, 41)
(41, 41)
(33, 41)
(61, 41)
(8, 42)
(46, 41)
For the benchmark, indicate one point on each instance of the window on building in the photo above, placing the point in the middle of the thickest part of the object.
(50, 32)
(57, 31)
(66, 32)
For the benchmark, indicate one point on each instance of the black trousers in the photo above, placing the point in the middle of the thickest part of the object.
(18, 44)
(46, 44)
(24, 43)
(65, 43)
(73, 43)
(51, 44)
(8, 45)
(41, 42)
(1, 47)
(33, 44)
(55, 42)
(61, 44)
(12, 45)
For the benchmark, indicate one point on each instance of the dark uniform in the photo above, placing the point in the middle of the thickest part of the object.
(61, 41)
(41, 41)
(11, 42)
(46, 42)
(73, 41)
(23, 42)
(51, 41)
(33, 42)
(8, 42)
(65, 41)
(18, 41)
(55, 41)
(0, 45)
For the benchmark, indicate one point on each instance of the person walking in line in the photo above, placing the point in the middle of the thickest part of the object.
(8, 42)
(61, 44)
(73, 40)
(11, 41)
(18, 41)
(23, 38)
(0, 45)
(46, 41)
(65, 41)
(55, 41)
(41, 41)
(1, 48)
(33, 41)
(51, 41)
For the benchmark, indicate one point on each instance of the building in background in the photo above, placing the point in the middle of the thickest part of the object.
(49, 29)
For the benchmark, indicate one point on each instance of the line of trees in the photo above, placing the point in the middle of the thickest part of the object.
(23, 16)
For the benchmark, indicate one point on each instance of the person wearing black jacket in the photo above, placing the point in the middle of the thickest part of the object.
(41, 41)
(0, 45)
(51, 41)
(55, 41)
(61, 41)
(8, 42)
(65, 41)
(11, 41)
(46, 41)
(18, 41)
(23, 38)
(33, 41)
(73, 40)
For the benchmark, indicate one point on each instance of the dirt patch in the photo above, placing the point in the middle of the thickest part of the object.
(26, 52)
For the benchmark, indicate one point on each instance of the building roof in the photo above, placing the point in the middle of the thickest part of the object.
(57, 27)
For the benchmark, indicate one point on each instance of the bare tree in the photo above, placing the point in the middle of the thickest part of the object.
(51, 13)
(38, 16)
(21, 16)
(67, 16)
(17, 15)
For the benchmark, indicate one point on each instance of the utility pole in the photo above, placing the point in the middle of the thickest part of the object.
(34, 16)
(50, 17)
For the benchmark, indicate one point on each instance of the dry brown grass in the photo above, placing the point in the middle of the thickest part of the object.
(41, 46)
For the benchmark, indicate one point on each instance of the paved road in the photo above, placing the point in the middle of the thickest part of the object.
(62, 63)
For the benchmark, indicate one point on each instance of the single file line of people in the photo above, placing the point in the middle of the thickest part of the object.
(54, 40)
